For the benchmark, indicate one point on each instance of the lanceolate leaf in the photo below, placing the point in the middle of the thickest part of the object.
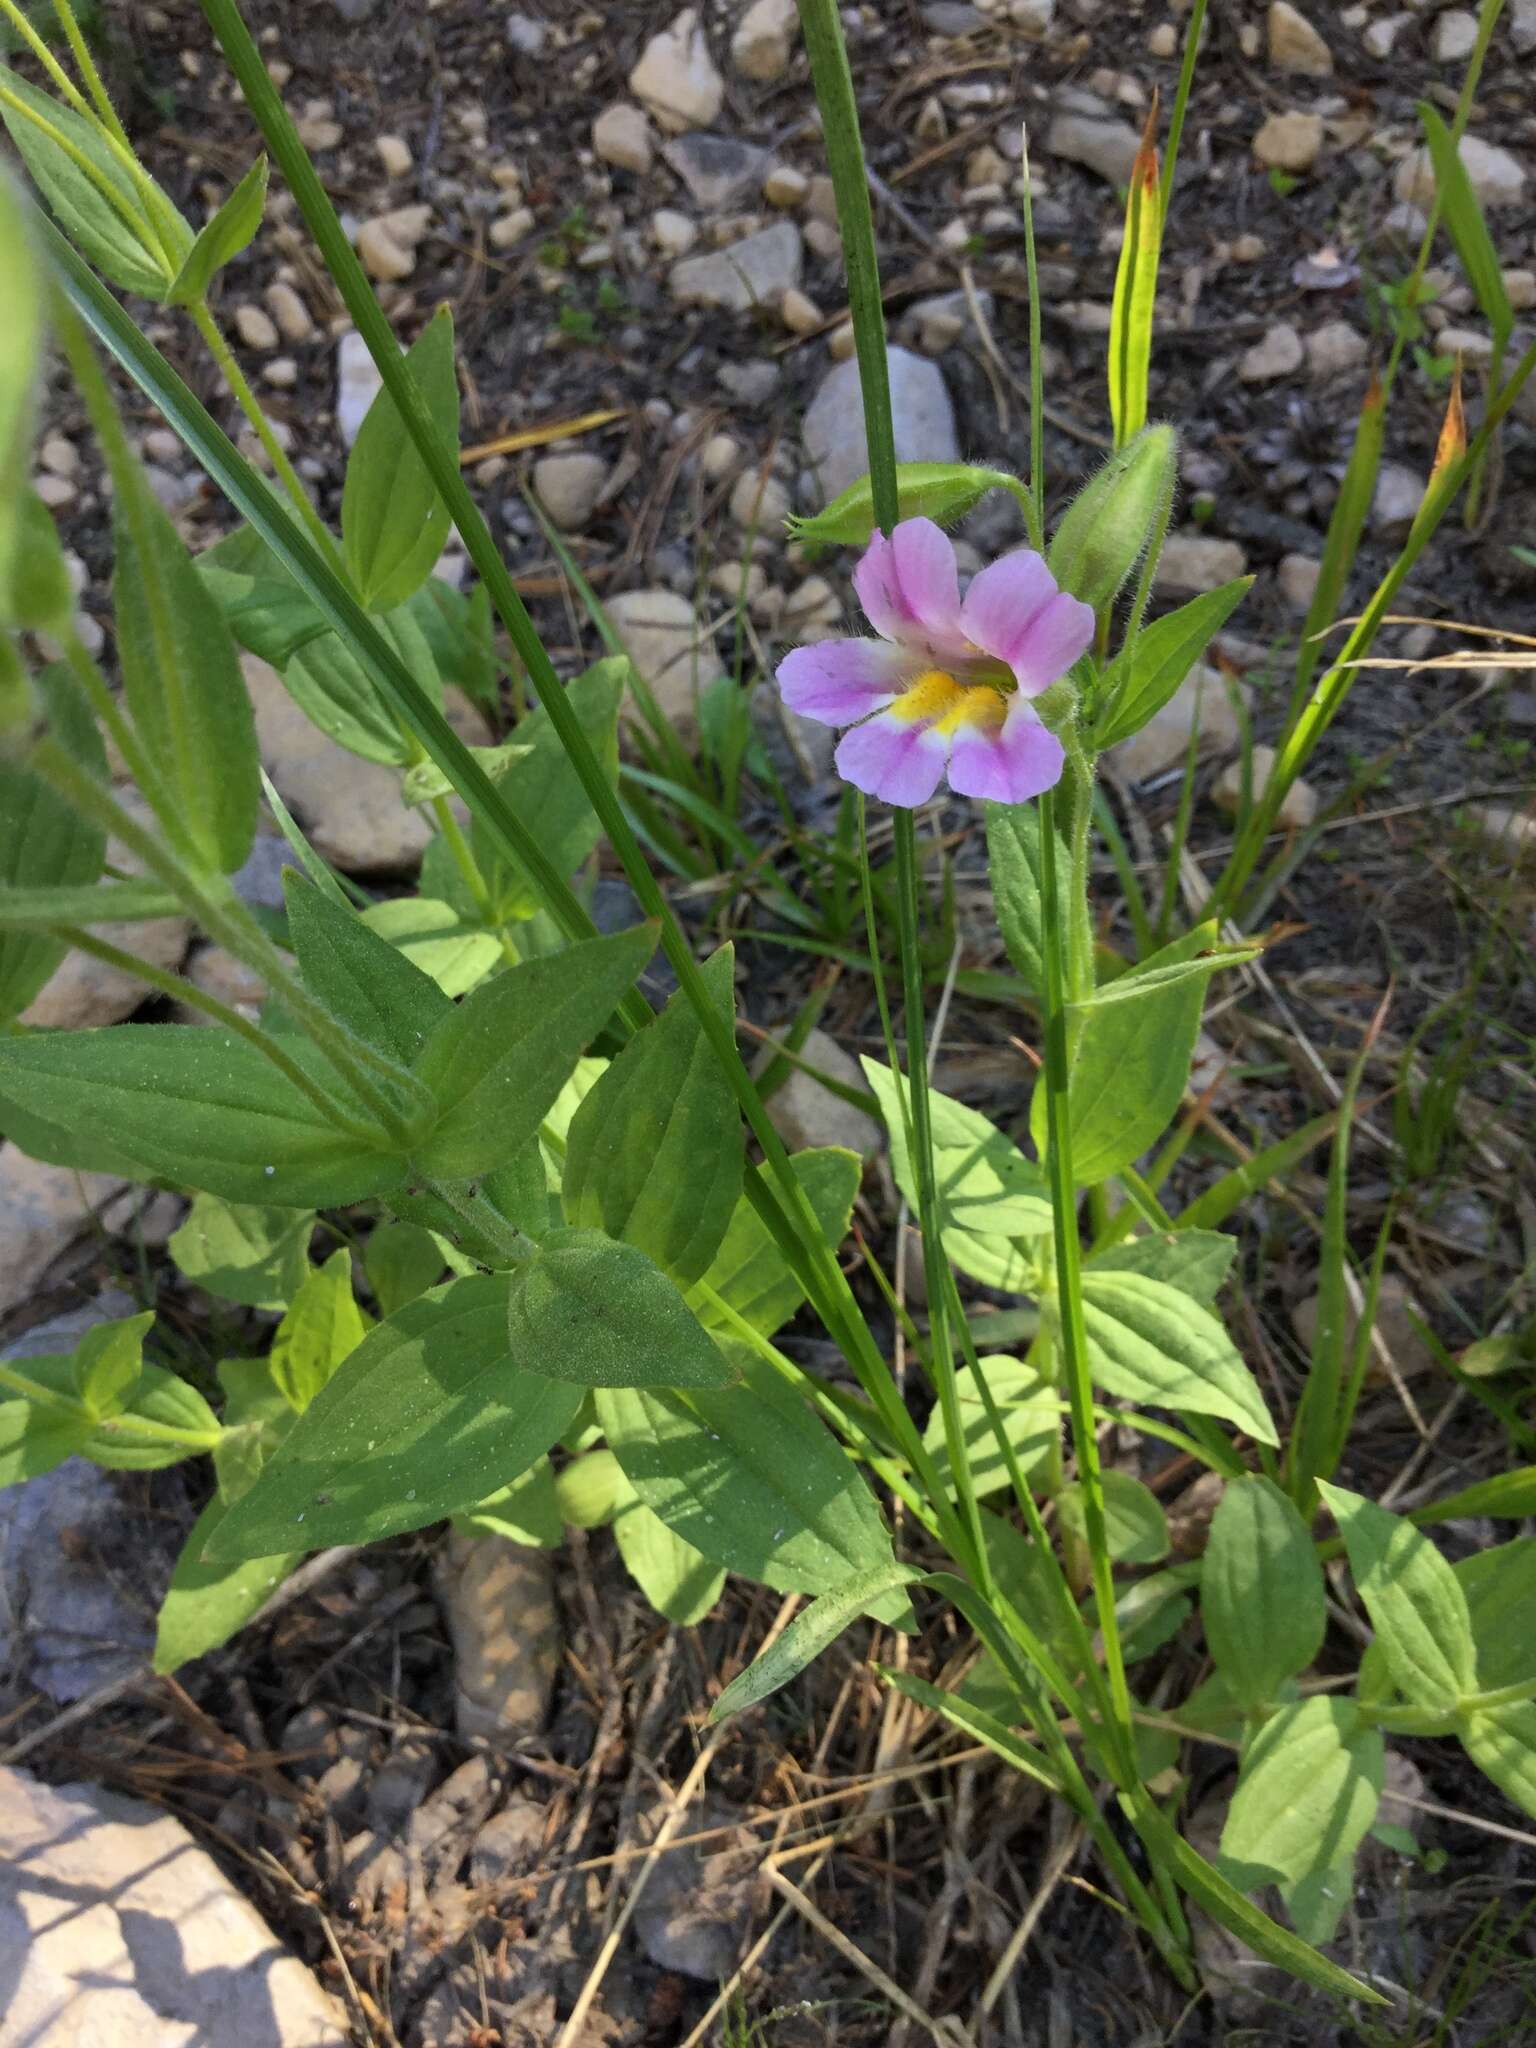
(1151, 1343)
(428, 1415)
(333, 688)
(1131, 315)
(1501, 1741)
(199, 1108)
(1013, 858)
(677, 1581)
(1030, 1410)
(1413, 1597)
(393, 522)
(1139, 682)
(1308, 1791)
(984, 1182)
(322, 1328)
(655, 1151)
(231, 229)
(1195, 1261)
(749, 1272)
(1261, 1592)
(365, 982)
(587, 1310)
(1469, 231)
(44, 843)
(812, 1631)
(206, 1603)
(245, 1253)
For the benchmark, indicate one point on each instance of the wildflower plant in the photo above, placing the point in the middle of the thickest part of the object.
(583, 1231)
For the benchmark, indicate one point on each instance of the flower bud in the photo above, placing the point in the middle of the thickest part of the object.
(942, 491)
(1107, 526)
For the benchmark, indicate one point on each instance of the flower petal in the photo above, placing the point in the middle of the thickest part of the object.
(1003, 600)
(1008, 764)
(910, 588)
(1058, 633)
(837, 682)
(893, 758)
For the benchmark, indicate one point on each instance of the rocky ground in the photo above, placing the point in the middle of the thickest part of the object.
(438, 1769)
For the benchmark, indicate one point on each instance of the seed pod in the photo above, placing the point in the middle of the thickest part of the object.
(943, 491)
(1109, 523)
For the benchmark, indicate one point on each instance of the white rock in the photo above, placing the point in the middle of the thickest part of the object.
(1277, 354)
(43, 1209)
(1295, 45)
(621, 135)
(1034, 17)
(1163, 41)
(358, 383)
(663, 638)
(1192, 562)
(1298, 807)
(1297, 576)
(1472, 342)
(290, 312)
(1381, 36)
(1200, 703)
(801, 315)
(56, 492)
(1519, 287)
(1396, 1309)
(115, 1927)
(569, 486)
(804, 1113)
(1335, 348)
(755, 271)
(785, 186)
(1454, 37)
(1290, 141)
(673, 233)
(1108, 147)
(676, 77)
(394, 153)
(722, 173)
(512, 228)
(385, 258)
(59, 456)
(1511, 832)
(760, 502)
(1399, 494)
(764, 41)
(1521, 21)
(1497, 178)
(923, 416)
(719, 457)
(220, 974)
(498, 1601)
(255, 327)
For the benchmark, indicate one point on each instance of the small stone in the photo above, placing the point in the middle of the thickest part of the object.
(1470, 342)
(755, 271)
(922, 413)
(1519, 289)
(218, 973)
(785, 186)
(318, 127)
(932, 124)
(810, 608)
(255, 328)
(290, 312)
(1399, 494)
(282, 373)
(1278, 354)
(1248, 248)
(1334, 349)
(1298, 807)
(1395, 1310)
(56, 492)
(803, 1112)
(673, 233)
(1034, 17)
(693, 1915)
(383, 257)
(1381, 36)
(764, 41)
(1455, 36)
(621, 135)
(720, 172)
(1200, 704)
(823, 240)
(1194, 562)
(512, 228)
(1512, 833)
(569, 486)
(719, 457)
(1496, 177)
(1163, 41)
(498, 1601)
(119, 1928)
(358, 383)
(1521, 21)
(676, 77)
(1105, 146)
(526, 36)
(1295, 45)
(1297, 576)
(760, 503)
(800, 314)
(43, 1209)
(751, 384)
(61, 457)
(842, 342)
(1289, 142)
(394, 153)
(663, 638)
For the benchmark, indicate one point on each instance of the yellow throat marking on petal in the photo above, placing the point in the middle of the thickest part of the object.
(935, 698)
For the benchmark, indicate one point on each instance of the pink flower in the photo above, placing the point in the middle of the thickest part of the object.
(948, 683)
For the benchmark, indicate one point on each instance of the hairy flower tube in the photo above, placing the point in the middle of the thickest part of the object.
(948, 683)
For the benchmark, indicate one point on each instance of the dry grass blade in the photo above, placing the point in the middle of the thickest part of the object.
(541, 436)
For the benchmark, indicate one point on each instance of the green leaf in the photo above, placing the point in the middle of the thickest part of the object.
(1136, 1529)
(972, 1719)
(1142, 678)
(205, 1604)
(527, 1511)
(181, 675)
(109, 1363)
(402, 1261)
(1014, 861)
(515, 1192)
(1501, 1741)
(601, 1314)
(749, 1272)
(984, 1182)
(152, 1428)
(1130, 1064)
(655, 1151)
(242, 1252)
(1414, 1599)
(35, 588)
(110, 231)
(1195, 1261)
(813, 1630)
(361, 979)
(1151, 1343)
(263, 606)
(256, 1419)
(1500, 1585)
(45, 843)
(34, 1439)
(1318, 1901)
(200, 1109)
(1468, 230)
(749, 1478)
(1508, 1495)
(21, 347)
(1030, 1408)
(427, 1416)
(435, 939)
(941, 491)
(1307, 1793)
(497, 1062)
(231, 229)
(323, 1327)
(590, 1490)
(337, 692)
(1262, 1598)
(677, 1581)
(393, 521)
